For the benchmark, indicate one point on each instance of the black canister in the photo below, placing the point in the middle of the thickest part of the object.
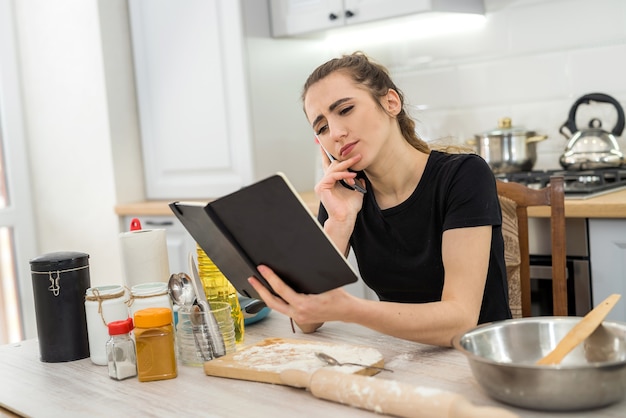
(59, 283)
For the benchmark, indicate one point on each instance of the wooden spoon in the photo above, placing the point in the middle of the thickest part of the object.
(580, 332)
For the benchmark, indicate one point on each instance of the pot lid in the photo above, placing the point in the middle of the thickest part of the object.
(506, 128)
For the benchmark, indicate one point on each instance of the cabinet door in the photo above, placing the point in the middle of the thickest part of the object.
(361, 11)
(292, 17)
(192, 97)
(607, 249)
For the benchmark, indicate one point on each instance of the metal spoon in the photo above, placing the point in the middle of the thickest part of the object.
(181, 290)
(331, 361)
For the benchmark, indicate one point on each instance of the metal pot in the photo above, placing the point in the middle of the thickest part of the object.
(508, 149)
(592, 147)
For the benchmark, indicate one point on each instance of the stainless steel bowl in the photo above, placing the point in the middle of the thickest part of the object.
(502, 357)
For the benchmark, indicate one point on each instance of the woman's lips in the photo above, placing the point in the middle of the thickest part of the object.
(346, 149)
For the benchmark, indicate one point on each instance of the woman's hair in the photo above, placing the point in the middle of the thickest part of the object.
(375, 78)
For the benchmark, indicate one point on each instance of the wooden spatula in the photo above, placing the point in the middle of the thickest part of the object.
(580, 332)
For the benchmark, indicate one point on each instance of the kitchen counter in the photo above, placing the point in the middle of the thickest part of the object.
(161, 208)
(80, 388)
(610, 205)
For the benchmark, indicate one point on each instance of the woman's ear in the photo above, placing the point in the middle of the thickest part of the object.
(392, 102)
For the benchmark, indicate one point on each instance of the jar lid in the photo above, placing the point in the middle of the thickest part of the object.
(153, 317)
(61, 260)
(112, 290)
(148, 289)
(121, 327)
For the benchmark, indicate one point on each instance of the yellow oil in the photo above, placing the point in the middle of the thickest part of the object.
(218, 288)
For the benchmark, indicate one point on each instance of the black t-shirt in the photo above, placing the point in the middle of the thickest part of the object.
(398, 249)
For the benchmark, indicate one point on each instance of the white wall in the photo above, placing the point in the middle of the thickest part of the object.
(81, 126)
(530, 61)
(283, 140)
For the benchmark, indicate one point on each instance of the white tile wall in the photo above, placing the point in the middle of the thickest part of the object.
(530, 61)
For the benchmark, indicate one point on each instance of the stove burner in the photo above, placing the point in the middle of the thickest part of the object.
(578, 184)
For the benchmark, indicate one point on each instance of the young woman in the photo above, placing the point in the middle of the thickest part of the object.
(426, 233)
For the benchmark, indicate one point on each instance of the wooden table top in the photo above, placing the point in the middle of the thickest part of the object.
(79, 388)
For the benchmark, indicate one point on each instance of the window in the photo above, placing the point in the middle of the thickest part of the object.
(17, 236)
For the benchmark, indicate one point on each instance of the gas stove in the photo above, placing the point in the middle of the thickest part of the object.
(581, 184)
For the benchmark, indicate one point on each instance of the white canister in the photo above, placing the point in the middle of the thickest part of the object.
(103, 304)
(149, 295)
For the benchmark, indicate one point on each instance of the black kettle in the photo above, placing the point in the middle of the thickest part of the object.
(592, 147)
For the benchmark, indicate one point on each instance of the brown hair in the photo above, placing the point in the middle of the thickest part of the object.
(376, 79)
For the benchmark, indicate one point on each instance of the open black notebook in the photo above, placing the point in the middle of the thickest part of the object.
(266, 223)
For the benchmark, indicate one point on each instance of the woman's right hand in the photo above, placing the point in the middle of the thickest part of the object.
(341, 203)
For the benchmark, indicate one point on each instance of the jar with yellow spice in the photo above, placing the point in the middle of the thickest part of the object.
(219, 289)
(154, 338)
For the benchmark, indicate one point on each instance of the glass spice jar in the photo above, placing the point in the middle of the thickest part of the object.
(120, 350)
(154, 336)
(149, 295)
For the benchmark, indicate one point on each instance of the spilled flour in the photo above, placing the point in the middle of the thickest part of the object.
(280, 355)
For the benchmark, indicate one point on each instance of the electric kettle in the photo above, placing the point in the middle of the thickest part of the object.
(592, 147)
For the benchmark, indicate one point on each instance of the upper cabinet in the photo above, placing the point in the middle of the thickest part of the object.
(192, 95)
(294, 17)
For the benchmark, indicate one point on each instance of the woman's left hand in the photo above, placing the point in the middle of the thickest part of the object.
(307, 310)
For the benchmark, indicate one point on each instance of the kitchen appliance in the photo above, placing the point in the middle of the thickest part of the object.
(579, 184)
(508, 149)
(592, 147)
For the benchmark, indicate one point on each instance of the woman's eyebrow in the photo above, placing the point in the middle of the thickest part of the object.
(332, 107)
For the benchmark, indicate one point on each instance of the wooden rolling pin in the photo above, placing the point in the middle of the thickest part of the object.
(388, 396)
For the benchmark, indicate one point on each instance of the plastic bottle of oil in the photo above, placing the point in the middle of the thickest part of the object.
(219, 289)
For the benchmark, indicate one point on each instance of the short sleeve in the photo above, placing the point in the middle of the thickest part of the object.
(471, 198)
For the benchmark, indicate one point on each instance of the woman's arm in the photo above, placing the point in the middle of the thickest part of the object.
(465, 258)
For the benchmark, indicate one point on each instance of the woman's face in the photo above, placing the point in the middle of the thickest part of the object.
(346, 119)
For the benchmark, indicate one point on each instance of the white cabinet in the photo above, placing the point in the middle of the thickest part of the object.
(192, 95)
(607, 247)
(179, 242)
(294, 17)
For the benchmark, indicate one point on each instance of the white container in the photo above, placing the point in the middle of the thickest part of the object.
(149, 295)
(103, 304)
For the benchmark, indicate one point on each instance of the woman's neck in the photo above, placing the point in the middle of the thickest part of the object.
(396, 175)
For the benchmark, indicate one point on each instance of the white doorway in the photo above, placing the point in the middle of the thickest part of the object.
(17, 229)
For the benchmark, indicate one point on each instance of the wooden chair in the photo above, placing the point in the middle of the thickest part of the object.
(515, 198)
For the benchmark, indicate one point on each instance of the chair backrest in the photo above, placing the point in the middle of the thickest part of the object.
(554, 196)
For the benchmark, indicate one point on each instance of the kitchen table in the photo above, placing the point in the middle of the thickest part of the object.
(79, 388)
